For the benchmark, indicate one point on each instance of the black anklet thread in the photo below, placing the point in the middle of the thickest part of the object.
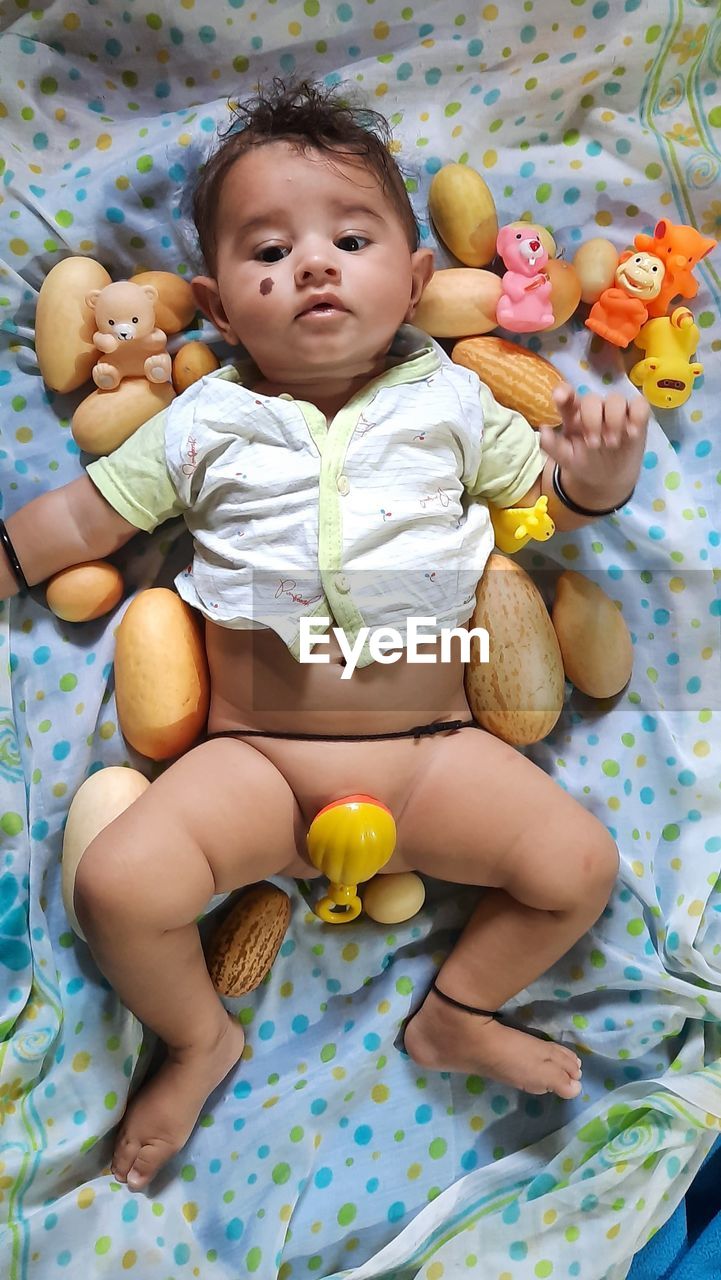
(467, 1008)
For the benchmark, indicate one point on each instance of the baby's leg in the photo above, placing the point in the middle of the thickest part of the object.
(220, 817)
(484, 814)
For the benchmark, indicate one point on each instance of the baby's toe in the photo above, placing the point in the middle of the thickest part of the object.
(149, 1159)
(562, 1072)
(126, 1149)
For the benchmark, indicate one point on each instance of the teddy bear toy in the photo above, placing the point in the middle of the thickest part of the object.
(126, 335)
(525, 302)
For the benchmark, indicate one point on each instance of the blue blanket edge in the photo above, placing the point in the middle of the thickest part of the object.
(688, 1246)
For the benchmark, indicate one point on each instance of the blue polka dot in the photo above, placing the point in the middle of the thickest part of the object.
(475, 48)
(39, 830)
(75, 985)
(405, 71)
(649, 724)
(263, 1152)
(130, 1211)
(632, 973)
(661, 616)
(41, 655)
(114, 215)
(176, 36)
(672, 941)
(61, 750)
(672, 659)
(623, 146)
(650, 460)
(396, 1211)
(528, 34)
(371, 1042)
(206, 34)
(266, 1030)
(469, 1160)
(687, 778)
(646, 795)
(79, 1117)
(703, 448)
(511, 1213)
(518, 1250)
(64, 1258)
(318, 1106)
(372, 1185)
(113, 48)
(299, 1024)
(234, 1229)
(656, 532)
(424, 1114)
(713, 845)
(693, 685)
(571, 195)
(215, 1166)
(162, 89)
(528, 169)
(242, 1089)
(432, 75)
(363, 1135)
(323, 1177)
(40, 141)
(593, 149)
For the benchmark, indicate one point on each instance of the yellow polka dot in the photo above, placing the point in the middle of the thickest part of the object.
(18, 246)
(640, 761)
(381, 90)
(579, 33)
(315, 1227)
(424, 115)
(576, 164)
(677, 584)
(381, 31)
(490, 158)
(85, 1197)
(81, 1061)
(695, 908)
(490, 12)
(604, 218)
(285, 1212)
(339, 1073)
(188, 4)
(707, 653)
(477, 1123)
(294, 28)
(701, 748)
(570, 552)
(550, 1216)
(103, 141)
(384, 1006)
(184, 140)
(414, 1171)
(106, 730)
(380, 1092)
(675, 864)
(23, 434)
(613, 1231)
(60, 114)
(190, 1211)
(666, 197)
(589, 77)
(71, 22)
(436, 1271)
(458, 129)
(130, 1258)
(614, 803)
(350, 951)
(122, 183)
(658, 504)
(87, 246)
(59, 789)
(637, 867)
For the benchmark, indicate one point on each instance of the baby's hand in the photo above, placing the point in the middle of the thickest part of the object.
(598, 446)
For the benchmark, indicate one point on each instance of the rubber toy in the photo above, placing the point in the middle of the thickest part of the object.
(525, 302)
(131, 345)
(665, 377)
(622, 309)
(515, 526)
(349, 841)
(681, 248)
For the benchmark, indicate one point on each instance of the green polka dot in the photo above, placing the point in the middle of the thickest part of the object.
(653, 171)
(154, 21)
(671, 831)
(652, 33)
(327, 1053)
(474, 1084)
(110, 1100)
(705, 319)
(452, 109)
(635, 927)
(672, 480)
(296, 1133)
(11, 823)
(144, 164)
(68, 682)
(610, 768)
(346, 1214)
(281, 1173)
(572, 1234)
(187, 1173)
(254, 1259)
(543, 193)
(571, 137)
(311, 8)
(48, 84)
(543, 1268)
(103, 1244)
(714, 117)
(438, 1148)
(64, 218)
(598, 959)
(404, 986)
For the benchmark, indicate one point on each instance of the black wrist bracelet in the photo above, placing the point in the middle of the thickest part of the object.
(575, 506)
(13, 561)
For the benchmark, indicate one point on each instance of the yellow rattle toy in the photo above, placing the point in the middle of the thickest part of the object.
(349, 841)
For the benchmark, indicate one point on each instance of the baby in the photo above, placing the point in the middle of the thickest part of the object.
(346, 479)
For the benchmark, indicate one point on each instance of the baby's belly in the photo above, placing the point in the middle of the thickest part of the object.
(257, 684)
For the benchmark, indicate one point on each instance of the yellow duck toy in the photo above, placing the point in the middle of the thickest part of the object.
(349, 841)
(515, 526)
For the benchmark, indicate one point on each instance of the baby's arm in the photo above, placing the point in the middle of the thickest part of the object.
(63, 527)
(598, 447)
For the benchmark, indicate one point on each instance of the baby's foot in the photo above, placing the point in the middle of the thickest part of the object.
(446, 1039)
(162, 1116)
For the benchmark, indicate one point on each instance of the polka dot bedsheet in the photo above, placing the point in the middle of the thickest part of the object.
(327, 1152)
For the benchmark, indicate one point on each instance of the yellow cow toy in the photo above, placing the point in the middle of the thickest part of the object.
(666, 375)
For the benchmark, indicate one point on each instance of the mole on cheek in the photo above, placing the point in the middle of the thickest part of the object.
(266, 285)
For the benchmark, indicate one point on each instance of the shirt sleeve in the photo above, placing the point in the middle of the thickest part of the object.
(134, 478)
(511, 456)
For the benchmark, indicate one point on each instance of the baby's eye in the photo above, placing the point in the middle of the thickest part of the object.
(354, 243)
(273, 249)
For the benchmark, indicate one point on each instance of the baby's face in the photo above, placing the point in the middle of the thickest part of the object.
(314, 271)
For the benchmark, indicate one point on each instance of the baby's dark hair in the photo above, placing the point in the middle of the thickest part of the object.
(308, 115)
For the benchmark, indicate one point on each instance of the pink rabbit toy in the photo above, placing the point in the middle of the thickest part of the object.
(525, 303)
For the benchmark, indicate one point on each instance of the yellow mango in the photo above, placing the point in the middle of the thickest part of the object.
(595, 642)
(457, 302)
(64, 325)
(463, 213)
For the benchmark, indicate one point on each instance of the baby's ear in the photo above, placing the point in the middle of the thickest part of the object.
(207, 296)
(422, 268)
